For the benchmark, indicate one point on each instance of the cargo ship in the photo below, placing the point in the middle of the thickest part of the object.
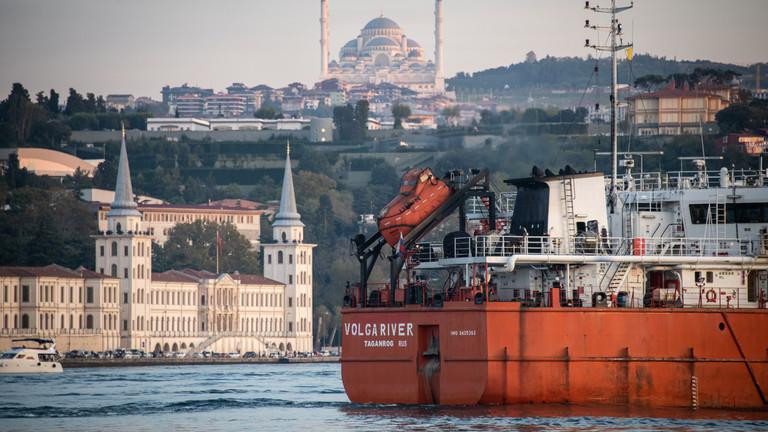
(645, 289)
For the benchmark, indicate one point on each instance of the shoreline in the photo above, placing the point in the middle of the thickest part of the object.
(93, 363)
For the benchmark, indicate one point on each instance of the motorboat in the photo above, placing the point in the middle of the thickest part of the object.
(42, 358)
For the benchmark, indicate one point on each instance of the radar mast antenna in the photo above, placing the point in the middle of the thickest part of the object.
(613, 48)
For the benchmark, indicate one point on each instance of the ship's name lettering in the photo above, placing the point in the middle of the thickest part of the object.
(378, 329)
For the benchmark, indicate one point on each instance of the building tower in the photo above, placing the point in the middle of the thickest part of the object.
(124, 250)
(289, 260)
(439, 66)
(324, 42)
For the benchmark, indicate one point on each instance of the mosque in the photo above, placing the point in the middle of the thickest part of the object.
(383, 53)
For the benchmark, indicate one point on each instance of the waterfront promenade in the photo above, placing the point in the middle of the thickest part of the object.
(93, 362)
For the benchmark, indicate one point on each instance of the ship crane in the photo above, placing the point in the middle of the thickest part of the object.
(368, 251)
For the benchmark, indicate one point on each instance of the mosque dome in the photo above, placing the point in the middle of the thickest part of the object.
(381, 23)
(383, 42)
(413, 44)
(351, 44)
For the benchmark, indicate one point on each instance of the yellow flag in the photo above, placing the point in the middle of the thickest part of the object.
(629, 53)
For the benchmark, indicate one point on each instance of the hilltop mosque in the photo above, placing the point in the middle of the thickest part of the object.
(382, 53)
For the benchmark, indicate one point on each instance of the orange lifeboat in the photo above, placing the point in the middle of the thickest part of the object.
(421, 193)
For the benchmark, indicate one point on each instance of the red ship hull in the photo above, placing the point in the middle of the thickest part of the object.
(503, 353)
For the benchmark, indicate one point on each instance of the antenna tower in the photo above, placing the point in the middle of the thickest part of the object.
(614, 47)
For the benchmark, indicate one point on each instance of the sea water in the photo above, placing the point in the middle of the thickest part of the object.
(289, 397)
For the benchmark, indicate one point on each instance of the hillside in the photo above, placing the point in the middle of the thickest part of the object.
(576, 72)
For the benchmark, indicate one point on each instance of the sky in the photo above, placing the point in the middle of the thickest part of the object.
(137, 46)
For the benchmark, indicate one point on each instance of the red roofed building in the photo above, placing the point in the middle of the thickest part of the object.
(673, 111)
(80, 307)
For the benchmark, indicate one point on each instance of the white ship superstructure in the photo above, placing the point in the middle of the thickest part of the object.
(679, 239)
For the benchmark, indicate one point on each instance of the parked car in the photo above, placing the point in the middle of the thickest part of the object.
(249, 355)
(74, 354)
(233, 355)
(274, 354)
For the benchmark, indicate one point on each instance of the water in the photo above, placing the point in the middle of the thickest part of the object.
(287, 397)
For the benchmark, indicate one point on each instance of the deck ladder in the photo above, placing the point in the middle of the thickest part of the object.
(567, 196)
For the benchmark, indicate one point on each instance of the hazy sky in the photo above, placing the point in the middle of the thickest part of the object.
(137, 46)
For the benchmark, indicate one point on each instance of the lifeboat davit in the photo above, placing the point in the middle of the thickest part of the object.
(421, 193)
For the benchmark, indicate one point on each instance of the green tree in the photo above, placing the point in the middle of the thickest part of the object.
(344, 119)
(451, 115)
(105, 175)
(650, 82)
(400, 112)
(193, 245)
(268, 113)
(362, 109)
(20, 114)
(75, 103)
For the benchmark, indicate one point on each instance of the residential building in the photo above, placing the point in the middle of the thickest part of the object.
(160, 219)
(225, 105)
(188, 106)
(120, 101)
(673, 111)
(170, 94)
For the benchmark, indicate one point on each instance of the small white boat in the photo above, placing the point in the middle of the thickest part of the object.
(41, 359)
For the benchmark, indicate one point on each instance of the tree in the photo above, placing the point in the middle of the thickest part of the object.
(400, 112)
(451, 115)
(194, 245)
(20, 114)
(267, 113)
(53, 102)
(361, 119)
(75, 103)
(105, 175)
(344, 119)
(650, 82)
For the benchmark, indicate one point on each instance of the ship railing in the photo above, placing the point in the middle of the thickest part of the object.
(692, 179)
(505, 204)
(499, 245)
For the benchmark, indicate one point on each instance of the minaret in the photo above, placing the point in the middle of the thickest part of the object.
(125, 251)
(289, 260)
(439, 66)
(324, 48)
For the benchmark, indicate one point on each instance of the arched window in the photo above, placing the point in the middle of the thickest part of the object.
(89, 321)
(114, 248)
(25, 321)
(290, 258)
(114, 270)
(119, 228)
(280, 257)
(285, 237)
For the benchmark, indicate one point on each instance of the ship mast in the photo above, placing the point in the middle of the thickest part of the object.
(613, 48)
